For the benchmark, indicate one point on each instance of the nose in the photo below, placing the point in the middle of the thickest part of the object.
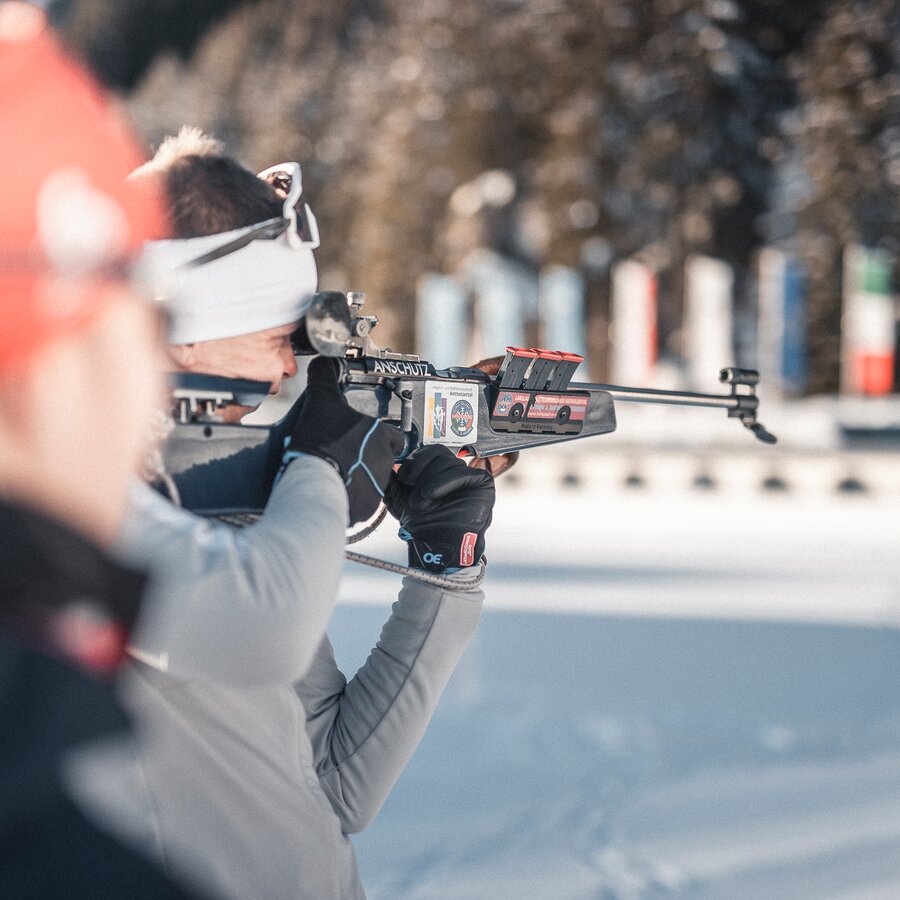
(289, 363)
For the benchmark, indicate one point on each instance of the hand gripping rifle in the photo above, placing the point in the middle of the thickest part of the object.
(227, 470)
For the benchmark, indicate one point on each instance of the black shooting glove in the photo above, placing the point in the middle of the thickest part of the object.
(444, 508)
(358, 446)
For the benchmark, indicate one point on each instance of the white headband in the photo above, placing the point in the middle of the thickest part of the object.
(265, 284)
(241, 281)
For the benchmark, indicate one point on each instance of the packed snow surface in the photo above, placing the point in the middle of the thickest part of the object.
(669, 695)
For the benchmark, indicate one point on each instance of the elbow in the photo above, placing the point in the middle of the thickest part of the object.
(355, 813)
(356, 821)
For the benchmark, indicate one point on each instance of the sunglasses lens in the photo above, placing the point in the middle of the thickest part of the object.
(306, 227)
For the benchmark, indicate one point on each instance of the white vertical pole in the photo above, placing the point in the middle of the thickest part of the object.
(708, 340)
(633, 328)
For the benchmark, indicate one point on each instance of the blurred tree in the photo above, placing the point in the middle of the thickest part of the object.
(121, 39)
(553, 131)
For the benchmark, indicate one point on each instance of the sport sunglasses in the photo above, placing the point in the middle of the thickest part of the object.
(297, 221)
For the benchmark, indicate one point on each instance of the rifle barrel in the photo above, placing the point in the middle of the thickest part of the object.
(652, 395)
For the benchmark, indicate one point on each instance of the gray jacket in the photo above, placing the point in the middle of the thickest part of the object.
(257, 756)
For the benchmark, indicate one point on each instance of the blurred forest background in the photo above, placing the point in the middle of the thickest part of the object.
(577, 132)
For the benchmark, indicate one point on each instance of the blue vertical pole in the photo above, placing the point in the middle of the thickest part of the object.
(793, 348)
(442, 321)
(501, 312)
(562, 312)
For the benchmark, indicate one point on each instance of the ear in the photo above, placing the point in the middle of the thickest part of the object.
(183, 355)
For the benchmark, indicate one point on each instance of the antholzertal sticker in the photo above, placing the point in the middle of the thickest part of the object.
(451, 413)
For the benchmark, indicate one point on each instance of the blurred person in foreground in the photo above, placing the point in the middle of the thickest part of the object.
(71, 439)
(261, 757)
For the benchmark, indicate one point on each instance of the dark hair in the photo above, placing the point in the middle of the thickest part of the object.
(209, 194)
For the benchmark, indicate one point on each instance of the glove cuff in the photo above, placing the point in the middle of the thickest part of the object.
(435, 556)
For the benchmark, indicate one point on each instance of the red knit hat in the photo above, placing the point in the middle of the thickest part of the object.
(66, 209)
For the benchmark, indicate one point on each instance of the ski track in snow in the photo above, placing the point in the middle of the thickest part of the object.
(670, 695)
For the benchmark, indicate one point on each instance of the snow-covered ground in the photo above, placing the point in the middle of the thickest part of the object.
(671, 694)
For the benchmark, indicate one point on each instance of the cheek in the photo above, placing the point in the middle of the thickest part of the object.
(247, 361)
(261, 370)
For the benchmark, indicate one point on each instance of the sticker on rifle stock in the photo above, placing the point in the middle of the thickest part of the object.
(451, 413)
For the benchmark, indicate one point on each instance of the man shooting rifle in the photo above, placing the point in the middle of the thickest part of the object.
(260, 756)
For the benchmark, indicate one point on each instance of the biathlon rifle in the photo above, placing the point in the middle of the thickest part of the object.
(227, 470)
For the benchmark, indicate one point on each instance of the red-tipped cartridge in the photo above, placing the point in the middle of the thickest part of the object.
(541, 369)
(564, 371)
(515, 367)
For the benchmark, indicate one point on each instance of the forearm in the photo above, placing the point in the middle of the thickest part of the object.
(241, 607)
(365, 732)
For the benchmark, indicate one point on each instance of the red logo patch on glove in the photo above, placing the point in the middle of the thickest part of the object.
(467, 550)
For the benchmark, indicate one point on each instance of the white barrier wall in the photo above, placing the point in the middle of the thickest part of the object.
(857, 476)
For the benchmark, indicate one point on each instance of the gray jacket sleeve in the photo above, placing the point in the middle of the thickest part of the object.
(240, 607)
(364, 732)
